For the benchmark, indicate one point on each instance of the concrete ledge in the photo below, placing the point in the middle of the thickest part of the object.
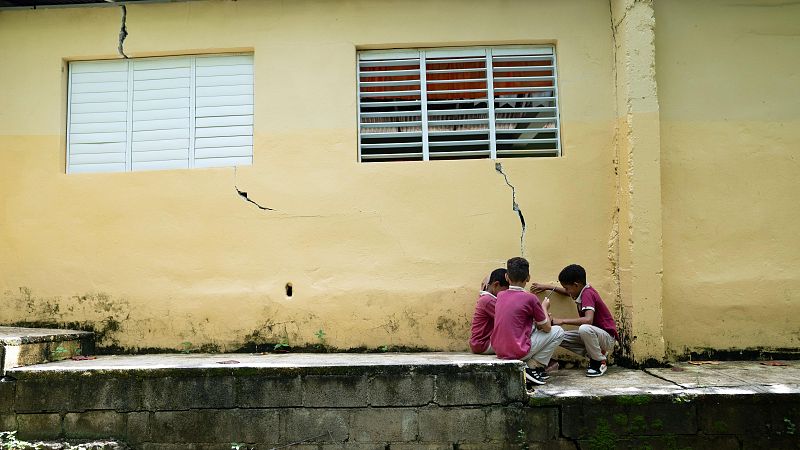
(397, 401)
(26, 346)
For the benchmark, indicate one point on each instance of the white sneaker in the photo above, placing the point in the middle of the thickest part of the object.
(596, 368)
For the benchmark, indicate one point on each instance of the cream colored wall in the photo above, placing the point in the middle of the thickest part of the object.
(378, 254)
(729, 83)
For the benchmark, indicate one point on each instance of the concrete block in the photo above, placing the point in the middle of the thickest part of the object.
(384, 425)
(268, 392)
(196, 426)
(491, 446)
(470, 388)
(74, 394)
(138, 427)
(213, 426)
(612, 415)
(666, 442)
(38, 426)
(560, 444)
(762, 442)
(316, 425)
(427, 446)
(403, 390)
(334, 391)
(523, 425)
(95, 424)
(177, 393)
(456, 425)
(338, 446)
(7, 389)
(254, 425)
(8, 422)
(721, 414)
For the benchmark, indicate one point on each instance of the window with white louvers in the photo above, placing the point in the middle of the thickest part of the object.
(160, 113)
(458, 103)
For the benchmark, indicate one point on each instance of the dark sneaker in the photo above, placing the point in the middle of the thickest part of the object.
(596, 368)
(533, 377)
(542, 373)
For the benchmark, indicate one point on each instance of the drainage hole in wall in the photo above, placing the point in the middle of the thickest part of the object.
(289, 290)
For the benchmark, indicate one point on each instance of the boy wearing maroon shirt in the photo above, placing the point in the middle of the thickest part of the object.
(522, 328)
(483, 319)
(597, 331)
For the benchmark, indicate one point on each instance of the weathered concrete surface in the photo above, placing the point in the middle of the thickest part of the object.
(396, 401)
(683, 379)
(26, 346)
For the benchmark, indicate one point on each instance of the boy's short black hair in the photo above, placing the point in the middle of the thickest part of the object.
(499, 275)
(573, 273)
(518, 269)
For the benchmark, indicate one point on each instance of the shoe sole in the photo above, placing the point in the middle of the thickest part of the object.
(594, 375)
(534, 380)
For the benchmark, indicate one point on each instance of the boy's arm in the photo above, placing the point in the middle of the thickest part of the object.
(585, 320)
(537, 288)
(545, 325)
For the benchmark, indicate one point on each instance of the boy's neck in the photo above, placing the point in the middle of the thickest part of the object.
(517, 284)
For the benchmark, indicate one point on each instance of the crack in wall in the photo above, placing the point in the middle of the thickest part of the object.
(243, 194)
(123, 31)
(515, 206)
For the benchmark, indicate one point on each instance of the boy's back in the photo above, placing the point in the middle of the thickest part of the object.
(514, 316)
(482, 323)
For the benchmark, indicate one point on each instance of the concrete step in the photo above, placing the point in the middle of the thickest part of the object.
(27, 346)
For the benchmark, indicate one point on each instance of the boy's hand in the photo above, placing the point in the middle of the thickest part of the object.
(539, 287)
(557, 321)
(546, 304)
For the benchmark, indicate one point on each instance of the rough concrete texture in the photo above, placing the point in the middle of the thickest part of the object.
(318, 401)
(636, 240)
(28, 346)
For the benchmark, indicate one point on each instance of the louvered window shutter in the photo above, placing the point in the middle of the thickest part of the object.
(162, 89)
(98, 116)
(458, 103)
(390, 106)
(160, 113)
(224, 111)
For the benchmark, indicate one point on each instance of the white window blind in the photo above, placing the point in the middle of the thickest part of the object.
(458, 103)
(160, 113)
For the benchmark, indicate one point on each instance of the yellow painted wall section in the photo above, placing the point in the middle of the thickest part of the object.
(639, 185)
(378, 254)
(729, 83)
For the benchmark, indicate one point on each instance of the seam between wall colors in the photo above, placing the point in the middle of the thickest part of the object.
(613, 242)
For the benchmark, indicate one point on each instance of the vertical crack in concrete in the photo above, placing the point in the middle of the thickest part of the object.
(515, 206)
(123, 32)
(243, 194)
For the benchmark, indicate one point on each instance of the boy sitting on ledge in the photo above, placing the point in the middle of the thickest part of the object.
(483, 319)
(597, 331)
(522, 328)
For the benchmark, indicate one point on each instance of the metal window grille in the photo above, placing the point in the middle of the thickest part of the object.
(458, 103)
(160, 113)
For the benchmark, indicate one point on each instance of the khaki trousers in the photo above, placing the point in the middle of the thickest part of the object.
(589, 339)
(543, 345)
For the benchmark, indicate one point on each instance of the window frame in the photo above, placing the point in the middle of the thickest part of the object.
(424, 55)
(130, 111)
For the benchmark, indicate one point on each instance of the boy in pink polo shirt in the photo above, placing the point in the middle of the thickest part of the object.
(522, 328)
(483, 319)
(597, 331)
